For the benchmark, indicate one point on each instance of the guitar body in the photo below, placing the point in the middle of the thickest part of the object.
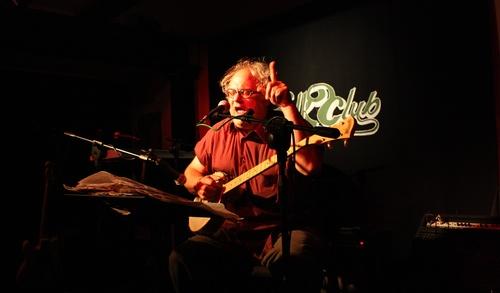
(206, 224)
(210, 224)
(42, 264)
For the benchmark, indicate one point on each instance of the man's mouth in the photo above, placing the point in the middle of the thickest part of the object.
(240, 111)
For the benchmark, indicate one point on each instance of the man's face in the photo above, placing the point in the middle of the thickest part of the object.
(241, 101)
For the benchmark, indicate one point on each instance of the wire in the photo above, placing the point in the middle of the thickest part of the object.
(203, 124)
(224, 123)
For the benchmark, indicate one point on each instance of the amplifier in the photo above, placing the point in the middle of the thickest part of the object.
(436, 226)
(457, 253)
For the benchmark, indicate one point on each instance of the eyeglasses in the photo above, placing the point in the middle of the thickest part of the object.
(245, 93)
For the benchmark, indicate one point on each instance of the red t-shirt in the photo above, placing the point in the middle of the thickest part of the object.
(233, 152)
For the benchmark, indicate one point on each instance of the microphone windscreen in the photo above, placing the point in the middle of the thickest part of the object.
(223, 103)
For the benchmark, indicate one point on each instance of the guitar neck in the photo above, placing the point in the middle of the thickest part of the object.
(256, 170)
(345, 128)
(263, 166)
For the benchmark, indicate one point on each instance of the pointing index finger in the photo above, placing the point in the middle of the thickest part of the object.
(272, 71)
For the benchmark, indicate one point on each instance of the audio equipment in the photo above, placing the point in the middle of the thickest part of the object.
(457, 253)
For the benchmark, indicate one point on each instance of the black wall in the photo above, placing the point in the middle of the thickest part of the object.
(431, 64)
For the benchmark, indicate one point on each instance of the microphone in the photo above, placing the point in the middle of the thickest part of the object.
(221, 107)
(326, 131)
(179, 178)
(248, 116)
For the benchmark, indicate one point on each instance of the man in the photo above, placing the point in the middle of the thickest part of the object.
(222, 260)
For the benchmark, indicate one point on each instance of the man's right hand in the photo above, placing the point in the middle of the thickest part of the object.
(209, 187)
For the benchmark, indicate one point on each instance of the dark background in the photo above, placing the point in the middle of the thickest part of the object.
(91, 72)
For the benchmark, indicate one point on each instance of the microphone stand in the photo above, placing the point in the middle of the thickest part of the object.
(280, 130)
(179, 178)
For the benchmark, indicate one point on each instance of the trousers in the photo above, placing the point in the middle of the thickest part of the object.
(221, 263)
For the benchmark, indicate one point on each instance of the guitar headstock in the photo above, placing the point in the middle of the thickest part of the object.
(345, 128)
